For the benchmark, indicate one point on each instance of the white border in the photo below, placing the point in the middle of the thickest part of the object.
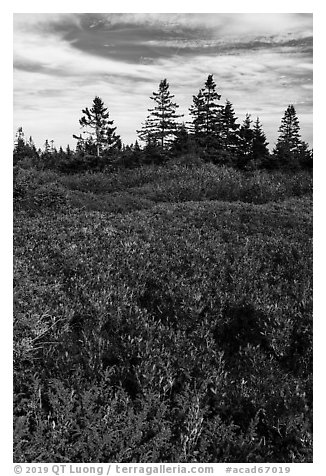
(315, 7)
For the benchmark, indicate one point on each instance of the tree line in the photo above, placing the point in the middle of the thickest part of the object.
(213, 135)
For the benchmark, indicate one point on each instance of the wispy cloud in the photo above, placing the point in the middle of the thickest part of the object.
(260, 62)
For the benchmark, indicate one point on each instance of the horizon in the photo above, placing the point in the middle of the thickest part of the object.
(261, 63)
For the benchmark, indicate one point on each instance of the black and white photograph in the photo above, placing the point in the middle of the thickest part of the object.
(163, 238)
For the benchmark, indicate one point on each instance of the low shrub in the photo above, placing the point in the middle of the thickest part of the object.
(178, 333)
(50, 195)
(35, 190)
(179, 182)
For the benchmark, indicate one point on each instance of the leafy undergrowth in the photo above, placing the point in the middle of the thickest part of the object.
(179, 332)
(128, 190)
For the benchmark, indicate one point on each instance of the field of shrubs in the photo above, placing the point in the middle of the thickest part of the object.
(163, 314)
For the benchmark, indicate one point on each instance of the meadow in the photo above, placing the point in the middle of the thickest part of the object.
(163, 314)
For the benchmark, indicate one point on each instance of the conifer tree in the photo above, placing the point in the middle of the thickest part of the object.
(98, 127)
(197, 126)
(246, 143)
(206, 113)
(20, 137)
(48, 156)
(47, 147)
(81, 144)
(136, 147)
(229, 129)
(260, 152)
(147, 132)
(61, 153)
(287, 150)
(182, 143)
(19, 146)
(68, 152)
(137, 153)
(212, 110)
(305, 156)
(31, 143)
(290, 129)
(23, 148)
(160, 125)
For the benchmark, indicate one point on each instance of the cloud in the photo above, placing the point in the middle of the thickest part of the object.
(130, 37)
(260, 62)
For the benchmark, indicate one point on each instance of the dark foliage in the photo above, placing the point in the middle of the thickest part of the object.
(213, 136)
(160, 125)
(163, 294)
(24, 150)
(96, 124)
(290, 152)
(163, 314)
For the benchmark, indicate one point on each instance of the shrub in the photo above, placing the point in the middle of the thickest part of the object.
(177, 333)
(180, 182)
(50, 195)
(36, 190)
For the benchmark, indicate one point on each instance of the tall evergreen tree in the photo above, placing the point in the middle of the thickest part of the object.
(289, 144)
(290, 129)
(160, 125)
(260, 151)
(98, 127)
(197, 126)
(246, 143)
(206, 113)
(212, 110)
(229, 129)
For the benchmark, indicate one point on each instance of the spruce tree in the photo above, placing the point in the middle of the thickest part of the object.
(206, 113)
(260, 152)
(23, 148)
(287, 150)
(98, 127)
(47, 147)
(212, 110)
(147, 132)
(182, 143)
(48, 157)
(136, 147)
(31, 144)
(19, 146)
(61, 154)
(305, 156)
(160, 126)
(197, 126)
(246, 143)
(20, 137)
(68, 152)
(137, 153)
(229, 129)
(290, 129)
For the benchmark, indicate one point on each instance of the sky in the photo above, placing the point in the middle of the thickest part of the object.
(261, 62)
